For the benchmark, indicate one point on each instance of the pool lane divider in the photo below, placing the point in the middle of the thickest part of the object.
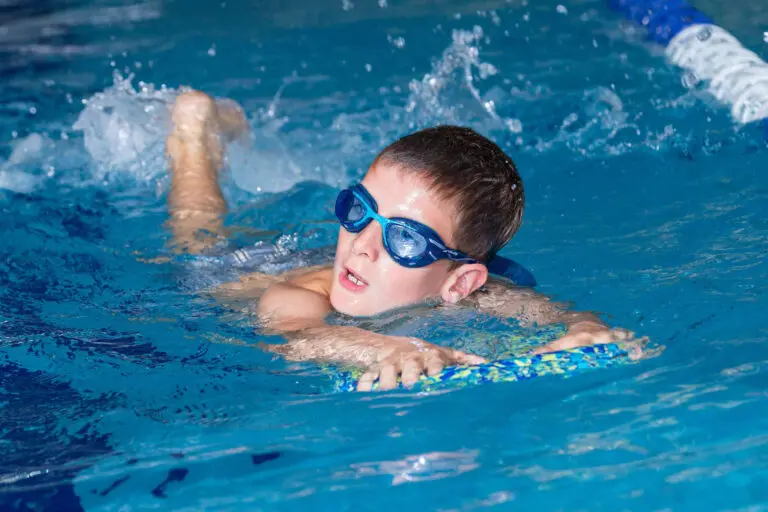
(736, 76)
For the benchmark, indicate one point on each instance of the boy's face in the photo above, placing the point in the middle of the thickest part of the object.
(381, 284)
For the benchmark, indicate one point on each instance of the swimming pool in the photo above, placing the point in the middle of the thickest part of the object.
(645, 202)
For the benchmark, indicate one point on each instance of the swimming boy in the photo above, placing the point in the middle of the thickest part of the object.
(429, 213)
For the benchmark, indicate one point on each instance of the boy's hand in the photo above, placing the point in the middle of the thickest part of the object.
(584, 334)
(409, 358)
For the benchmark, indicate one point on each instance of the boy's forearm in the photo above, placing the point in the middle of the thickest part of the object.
(195, 150)
(531, 308)
(334, 344)
(195, 202)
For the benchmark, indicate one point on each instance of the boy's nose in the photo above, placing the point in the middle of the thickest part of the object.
(368, 241)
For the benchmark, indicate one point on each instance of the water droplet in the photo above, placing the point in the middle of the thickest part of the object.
(397, 42)
(562, 9)
(514, 125)
(368, 68)
(346, 5)
(383, 4)
(212, 51)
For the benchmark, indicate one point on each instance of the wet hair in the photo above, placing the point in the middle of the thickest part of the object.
(473, 173)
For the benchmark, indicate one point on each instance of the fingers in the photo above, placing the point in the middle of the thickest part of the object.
(434, 366)
(620, 334)
(388, 376)
(468, 359)
(564, 343)
(387, 373)
(412, 369)
(637, 348)
(366, 380)
(571, 341)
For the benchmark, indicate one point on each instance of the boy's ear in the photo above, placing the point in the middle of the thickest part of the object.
(463, 281)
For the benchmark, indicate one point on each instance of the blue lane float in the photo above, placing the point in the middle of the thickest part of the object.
(736, 76)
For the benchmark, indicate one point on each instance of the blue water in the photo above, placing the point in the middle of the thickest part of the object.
(121, 388)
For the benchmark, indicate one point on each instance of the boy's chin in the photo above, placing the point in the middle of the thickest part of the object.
(352, 307)
(361, 306)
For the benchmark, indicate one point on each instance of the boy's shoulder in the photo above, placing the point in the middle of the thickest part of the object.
(316, 279)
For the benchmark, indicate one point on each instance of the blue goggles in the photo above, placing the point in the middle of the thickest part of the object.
(411, 243)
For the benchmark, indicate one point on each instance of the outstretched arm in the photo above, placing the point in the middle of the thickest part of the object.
(532, 308)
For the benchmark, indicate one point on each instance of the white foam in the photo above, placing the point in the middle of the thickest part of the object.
(124, 129)
(28, 165)
(266, 164)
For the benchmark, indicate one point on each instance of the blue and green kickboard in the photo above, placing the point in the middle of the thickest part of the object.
(510, 367)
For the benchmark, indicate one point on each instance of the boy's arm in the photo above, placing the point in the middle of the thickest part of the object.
(297, 310)
(532, 308)
(195, 148)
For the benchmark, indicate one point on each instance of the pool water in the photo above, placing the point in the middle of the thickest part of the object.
(120, 389)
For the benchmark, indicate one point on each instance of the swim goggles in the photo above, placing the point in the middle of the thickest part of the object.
(412, 244)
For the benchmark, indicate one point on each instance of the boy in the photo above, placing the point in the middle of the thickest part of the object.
(432, 208)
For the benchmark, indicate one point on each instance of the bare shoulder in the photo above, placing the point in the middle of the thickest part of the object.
(316, 279)
(252, 285)
(297, 303)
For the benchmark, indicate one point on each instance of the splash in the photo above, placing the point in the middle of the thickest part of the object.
(441, 95)
(124, 129)
(16, 173)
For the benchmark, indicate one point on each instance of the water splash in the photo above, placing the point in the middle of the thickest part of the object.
(440, 95)
(124, 129)
(31, 152)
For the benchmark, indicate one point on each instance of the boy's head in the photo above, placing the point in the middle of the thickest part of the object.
(451, 179)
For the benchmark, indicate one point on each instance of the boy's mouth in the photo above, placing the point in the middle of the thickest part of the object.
(351, 281)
